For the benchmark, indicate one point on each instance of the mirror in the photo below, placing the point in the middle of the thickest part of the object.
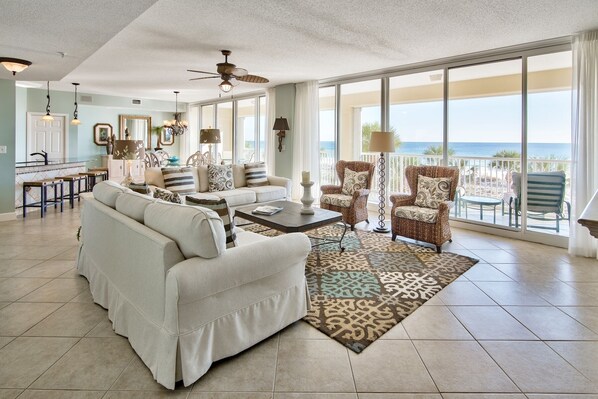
(138, 126)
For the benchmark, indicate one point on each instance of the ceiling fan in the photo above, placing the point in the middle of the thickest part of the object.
(229, 73)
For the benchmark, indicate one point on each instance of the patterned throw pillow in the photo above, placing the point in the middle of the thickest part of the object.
(432, 191)
(220, 178)
(255, 173)
(221, 208)
(167, 196)
(141, 188)
(179, 180)
(354, 181)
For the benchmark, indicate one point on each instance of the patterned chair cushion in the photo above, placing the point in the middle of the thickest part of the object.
(354, 181)
(221, 208)
(220, 178)
(421, 214)
(166, 195)
(432, 191)
(255, 173)
(179, 180)
(341, 200)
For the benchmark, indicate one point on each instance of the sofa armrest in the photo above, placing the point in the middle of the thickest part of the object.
(282, 182)
(199, 278)
(330, 189)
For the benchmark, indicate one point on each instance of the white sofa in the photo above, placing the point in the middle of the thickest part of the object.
(170, 285)
(279, 188)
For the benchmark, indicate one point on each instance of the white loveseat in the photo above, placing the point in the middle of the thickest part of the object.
(170, 285)
(279, 188)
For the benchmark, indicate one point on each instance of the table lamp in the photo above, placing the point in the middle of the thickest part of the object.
(210, 136)
(129, 151)
(382, 142)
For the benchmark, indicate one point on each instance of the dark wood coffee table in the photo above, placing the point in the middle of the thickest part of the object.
(290, 220)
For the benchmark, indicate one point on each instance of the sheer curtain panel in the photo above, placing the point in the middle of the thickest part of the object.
(306, 137)
(584, 179)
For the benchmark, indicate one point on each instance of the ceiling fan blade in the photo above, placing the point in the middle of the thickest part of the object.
(206, 77)
(252, 79)
(236, 71)
(209, 73)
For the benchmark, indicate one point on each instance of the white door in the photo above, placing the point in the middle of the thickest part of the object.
(49, 136)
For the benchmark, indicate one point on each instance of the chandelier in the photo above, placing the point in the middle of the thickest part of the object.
(176, 126)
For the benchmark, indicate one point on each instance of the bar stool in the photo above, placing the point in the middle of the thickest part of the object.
(101, 170)
(91, 178)
(56, 184)
(71, 180)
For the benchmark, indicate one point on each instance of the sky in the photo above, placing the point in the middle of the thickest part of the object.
(487, 119)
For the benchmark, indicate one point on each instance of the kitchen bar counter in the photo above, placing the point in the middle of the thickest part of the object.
(36, 170)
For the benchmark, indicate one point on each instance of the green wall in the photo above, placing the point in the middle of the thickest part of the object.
(285, 107)
(104, 109)
(7, 138)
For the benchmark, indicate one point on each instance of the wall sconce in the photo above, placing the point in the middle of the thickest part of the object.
(281, 125)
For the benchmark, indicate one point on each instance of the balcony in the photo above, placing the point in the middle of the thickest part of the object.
(488, 177)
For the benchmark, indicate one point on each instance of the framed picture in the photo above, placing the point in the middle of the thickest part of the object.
(166, 137)
(101, 133)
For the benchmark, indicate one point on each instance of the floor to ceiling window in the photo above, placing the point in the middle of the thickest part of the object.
(416, 119)
(328, 147)
(484, 136)
(242, 125)
(501, 119)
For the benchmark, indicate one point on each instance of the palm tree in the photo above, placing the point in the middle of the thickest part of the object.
(506, 165)
(366, 135)
(437, 150)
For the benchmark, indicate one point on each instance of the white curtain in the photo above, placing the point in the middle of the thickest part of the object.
(584, 179)
(306, 137)
(270, 134)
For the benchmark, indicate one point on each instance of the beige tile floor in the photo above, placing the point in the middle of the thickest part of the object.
(523, 323)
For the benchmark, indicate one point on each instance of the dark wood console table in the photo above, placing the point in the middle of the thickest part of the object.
(589, 216)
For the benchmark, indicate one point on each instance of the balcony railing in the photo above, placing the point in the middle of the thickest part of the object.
(480, 176)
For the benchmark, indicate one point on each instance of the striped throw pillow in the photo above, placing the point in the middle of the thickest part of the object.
(179, 180)
(221, 208)
(255, 174)
(141, 188)
(166, 195)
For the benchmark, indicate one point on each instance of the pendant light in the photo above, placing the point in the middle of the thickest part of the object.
(75, 120)
(177, 126)
(48, 117)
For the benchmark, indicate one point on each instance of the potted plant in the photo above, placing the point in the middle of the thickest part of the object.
(157, 130)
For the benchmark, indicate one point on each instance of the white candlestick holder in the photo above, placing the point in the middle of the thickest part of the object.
(307, 199)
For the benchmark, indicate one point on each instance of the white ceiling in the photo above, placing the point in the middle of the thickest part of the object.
(142, 48)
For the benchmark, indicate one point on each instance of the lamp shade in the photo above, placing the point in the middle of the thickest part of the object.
(209, 136)
(382, 142)
(129, 150)
(281, 124)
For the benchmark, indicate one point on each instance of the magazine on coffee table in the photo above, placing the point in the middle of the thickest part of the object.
(266, 210)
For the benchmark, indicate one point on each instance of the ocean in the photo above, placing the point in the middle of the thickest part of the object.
(535, 150)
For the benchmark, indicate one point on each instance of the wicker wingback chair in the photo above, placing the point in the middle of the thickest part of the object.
(353, 208)
(432, 228)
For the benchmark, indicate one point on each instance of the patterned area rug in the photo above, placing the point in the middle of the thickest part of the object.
(360, 294)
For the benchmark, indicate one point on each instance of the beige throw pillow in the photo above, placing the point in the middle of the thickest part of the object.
(432, 191)
(354, 181)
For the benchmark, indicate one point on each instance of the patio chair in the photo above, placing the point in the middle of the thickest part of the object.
(354, 208)
(421, 223)
(545, 195)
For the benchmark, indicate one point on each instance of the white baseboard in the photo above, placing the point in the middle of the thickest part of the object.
(7, 217)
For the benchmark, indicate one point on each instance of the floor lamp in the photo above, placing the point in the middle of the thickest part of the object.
(210, 136)
(128, 151)
(382, 142)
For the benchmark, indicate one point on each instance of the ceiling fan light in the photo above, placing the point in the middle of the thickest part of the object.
(225, 86)
(14, 65)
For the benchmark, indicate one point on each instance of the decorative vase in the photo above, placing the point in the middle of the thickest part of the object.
(307, 199)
